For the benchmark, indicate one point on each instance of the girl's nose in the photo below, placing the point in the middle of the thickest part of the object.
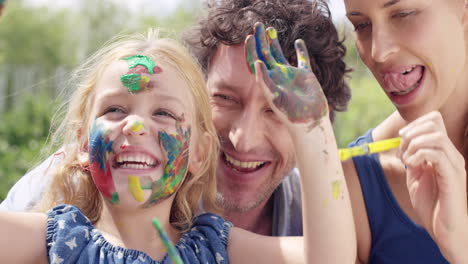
(135, 127)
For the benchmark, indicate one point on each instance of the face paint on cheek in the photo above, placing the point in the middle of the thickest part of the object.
(176, 147)
(138, 78)
(100, 147)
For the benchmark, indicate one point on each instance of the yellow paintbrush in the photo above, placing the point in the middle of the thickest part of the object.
(369, 148)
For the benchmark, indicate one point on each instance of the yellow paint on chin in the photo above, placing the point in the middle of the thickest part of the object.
(336, 189)
(135, 189)
(137, 126)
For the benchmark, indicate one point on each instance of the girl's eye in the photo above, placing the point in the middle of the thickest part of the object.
(114, 109)
(165, 113)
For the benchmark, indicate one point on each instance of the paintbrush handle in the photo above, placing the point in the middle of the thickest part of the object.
(369, 148)
(171, 250)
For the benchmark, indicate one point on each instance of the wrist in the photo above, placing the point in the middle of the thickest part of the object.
(457, 252)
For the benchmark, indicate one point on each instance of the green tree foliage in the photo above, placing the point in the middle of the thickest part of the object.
(22, 136)
(368, 106)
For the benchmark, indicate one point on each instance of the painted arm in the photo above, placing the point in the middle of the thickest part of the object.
(297, 99)
(23, 237)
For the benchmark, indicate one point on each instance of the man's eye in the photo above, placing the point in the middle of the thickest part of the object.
(223, 96)
(224, 99)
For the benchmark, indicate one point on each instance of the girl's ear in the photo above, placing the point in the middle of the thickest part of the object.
(83, 155)
(197, 154)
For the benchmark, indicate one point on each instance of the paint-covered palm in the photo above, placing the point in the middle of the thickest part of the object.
(296, 91)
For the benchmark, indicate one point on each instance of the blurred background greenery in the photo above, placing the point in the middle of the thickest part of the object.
(40, 45)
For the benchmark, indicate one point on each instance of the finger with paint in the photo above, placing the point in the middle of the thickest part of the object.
(262, 46)
(171, 250)
(294, 91)
(275, 47)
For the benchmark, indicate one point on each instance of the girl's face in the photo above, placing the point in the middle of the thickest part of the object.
(415, 48)
(138, 144)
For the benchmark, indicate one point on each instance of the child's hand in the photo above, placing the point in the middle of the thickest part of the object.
(436, 180)
(294, 93)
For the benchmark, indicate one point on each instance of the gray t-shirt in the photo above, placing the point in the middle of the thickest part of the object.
(287, 206)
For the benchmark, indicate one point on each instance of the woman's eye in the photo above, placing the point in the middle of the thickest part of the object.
(361, 26)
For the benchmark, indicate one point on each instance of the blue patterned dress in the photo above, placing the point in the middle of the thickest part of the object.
(71, 238)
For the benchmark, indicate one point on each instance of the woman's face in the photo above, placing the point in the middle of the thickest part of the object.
(416, 50)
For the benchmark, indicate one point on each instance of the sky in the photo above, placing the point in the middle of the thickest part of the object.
(166, 6)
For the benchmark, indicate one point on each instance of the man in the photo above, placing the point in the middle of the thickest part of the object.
(2, 5)
(258, 187)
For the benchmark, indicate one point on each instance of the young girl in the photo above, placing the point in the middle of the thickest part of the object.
(411, 203)
(140, 145)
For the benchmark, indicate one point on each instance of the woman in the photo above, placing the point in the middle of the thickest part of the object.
(410, 204)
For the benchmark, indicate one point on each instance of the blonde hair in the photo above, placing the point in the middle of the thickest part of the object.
(72, 182)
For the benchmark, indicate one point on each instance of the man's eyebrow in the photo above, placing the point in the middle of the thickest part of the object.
(225, 85)
(387, 4)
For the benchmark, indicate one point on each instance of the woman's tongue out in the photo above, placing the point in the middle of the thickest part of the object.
(402, 83)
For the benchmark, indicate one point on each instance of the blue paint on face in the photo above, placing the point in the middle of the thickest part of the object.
(99, 146)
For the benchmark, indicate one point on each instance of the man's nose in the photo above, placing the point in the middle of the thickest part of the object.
(135, 126)
(246, 132)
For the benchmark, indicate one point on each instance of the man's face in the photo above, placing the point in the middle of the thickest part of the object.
(256, 149)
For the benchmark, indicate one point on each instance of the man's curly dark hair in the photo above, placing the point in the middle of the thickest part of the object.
(229, 22)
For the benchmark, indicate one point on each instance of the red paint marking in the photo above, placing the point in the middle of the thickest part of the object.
(123, 147)
(157, 69)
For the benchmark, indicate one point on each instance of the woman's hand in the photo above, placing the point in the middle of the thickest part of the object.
(436, 181)
(294, 93)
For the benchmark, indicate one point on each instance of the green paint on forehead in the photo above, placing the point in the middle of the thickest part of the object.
(140, 70)
(131, 81)
(136, 60)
